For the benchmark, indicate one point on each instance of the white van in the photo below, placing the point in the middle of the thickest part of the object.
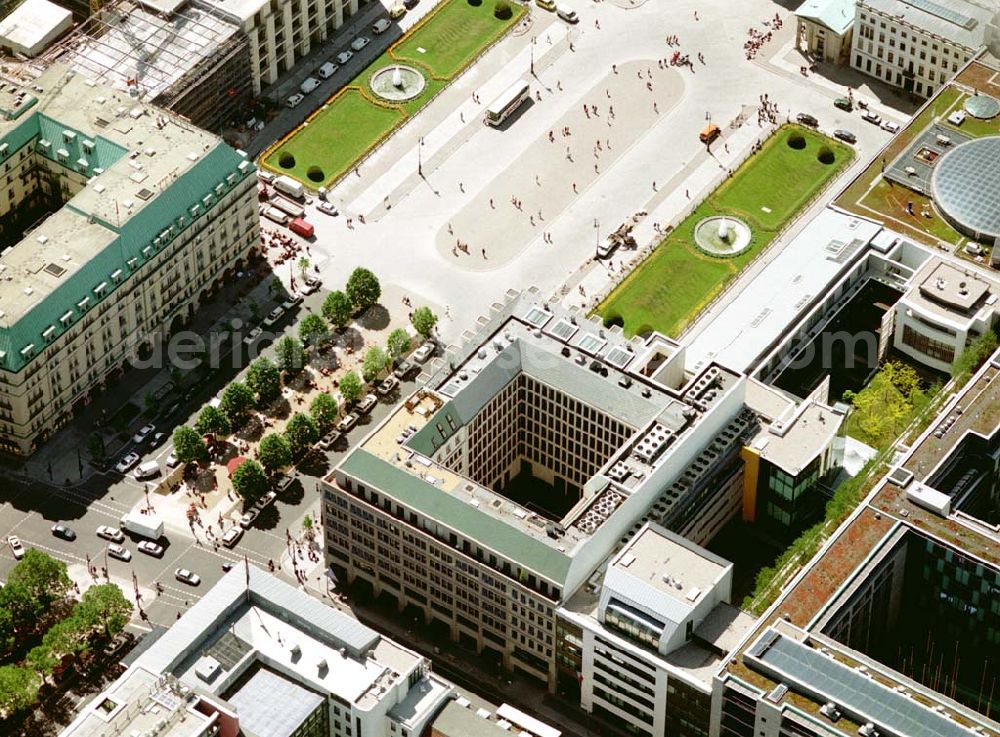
(566, 13)
(327, 70)
(308, 85)
(295, 99)
(147, 470)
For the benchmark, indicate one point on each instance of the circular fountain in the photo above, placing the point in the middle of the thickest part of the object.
(397, 83)
(722, 235)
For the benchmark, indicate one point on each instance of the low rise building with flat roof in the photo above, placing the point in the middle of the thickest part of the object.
(32, 26)
(258, 656)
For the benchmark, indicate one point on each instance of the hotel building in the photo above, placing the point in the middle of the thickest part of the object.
(149, 216)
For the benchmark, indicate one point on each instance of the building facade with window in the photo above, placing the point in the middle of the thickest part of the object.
(918, 45)
(149, 216)
(824, 29)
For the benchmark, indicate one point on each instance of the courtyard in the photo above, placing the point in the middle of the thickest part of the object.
(355, 120)
(667, 291)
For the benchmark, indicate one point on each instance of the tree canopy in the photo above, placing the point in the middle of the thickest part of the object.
(398, 342)
(301, 432)
(188, 444)
(337, 308)
(237, 401)
(351, 387)
(363, 288)
(264, 380)
(291, 357)
(313, 329)
(375, 362)
(250, 481)
(211, 420)
(424, 321)
(324, 411)
(274, 452)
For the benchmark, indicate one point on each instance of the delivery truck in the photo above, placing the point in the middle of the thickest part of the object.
(290, 187)
(145, 525)
(273, 213)
(302, 227)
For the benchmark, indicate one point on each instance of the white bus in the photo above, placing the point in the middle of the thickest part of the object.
(502, 107)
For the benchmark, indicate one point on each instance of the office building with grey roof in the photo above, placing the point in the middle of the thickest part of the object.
(148, 216)
(530, 453)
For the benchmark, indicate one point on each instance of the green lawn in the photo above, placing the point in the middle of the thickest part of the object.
(336, 137)
(669, 288)
(456, 34)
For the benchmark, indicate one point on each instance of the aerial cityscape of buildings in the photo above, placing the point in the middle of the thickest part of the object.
(458, 368)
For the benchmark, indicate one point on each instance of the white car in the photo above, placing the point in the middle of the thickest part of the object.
(295, 99)
(343, 57)
(126, 463)
(273, 316)
(252, 336)
(120, 552)
(150, 548)
(888, 125)
(311, 285)
(188, 577)
(424, 352)
(111, 533)
(359, 43)
(232, 536)
(16, 546)
(144, 432)
(381, 26)
(172, 460)
(327, 207)
(367, 404)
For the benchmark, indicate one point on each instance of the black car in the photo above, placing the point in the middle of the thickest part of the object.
(410, 4)
(846, 136)
(61, 530)
(807, 119)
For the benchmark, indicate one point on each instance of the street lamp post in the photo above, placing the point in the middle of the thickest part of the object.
(532, 50)
(420, 159)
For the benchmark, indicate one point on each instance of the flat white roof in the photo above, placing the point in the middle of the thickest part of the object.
(774, 299)
(33, 25)
(529, 723)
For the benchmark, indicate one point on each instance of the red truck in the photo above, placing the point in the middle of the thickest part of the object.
(302, 227)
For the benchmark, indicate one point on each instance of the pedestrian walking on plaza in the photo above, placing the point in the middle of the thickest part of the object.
(614, 68)
(492, 206)
(574, 187)
(654, 185)
(484, 253)
(586, 111)
(597, 24)
(461, 187)
(655, 108)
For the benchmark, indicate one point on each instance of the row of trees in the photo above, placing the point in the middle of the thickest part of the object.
(36, 602)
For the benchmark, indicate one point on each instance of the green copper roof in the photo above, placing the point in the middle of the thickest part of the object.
(143, 229)
(463, 518)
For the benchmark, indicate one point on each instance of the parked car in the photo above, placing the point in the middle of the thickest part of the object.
(807, 119)
(144, 432)
(120, 552)
(310, 286)
(871, 117)
(172, 460)
(327, 69)
(292, 301)
(281, 482)
(147, 470)
(16, 546)
(157, 439)
(329, 440)
(61, 530)
(367, 404)
(845, 136)
(343, 57)
(189, 577)
(150, 548)
(273, 316)
(381, 26)
(888, 125)
(265, 501)
(248, 519)
(424, 352)
(359, 43)
(397, 11)
(843, 103)
(387, 387)
(328, 207)
(403, 369)
(232, 536)
(252, 337)
(126, 463)
(410, 4)
(111, 533)
(295, 99)
(348, 422)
